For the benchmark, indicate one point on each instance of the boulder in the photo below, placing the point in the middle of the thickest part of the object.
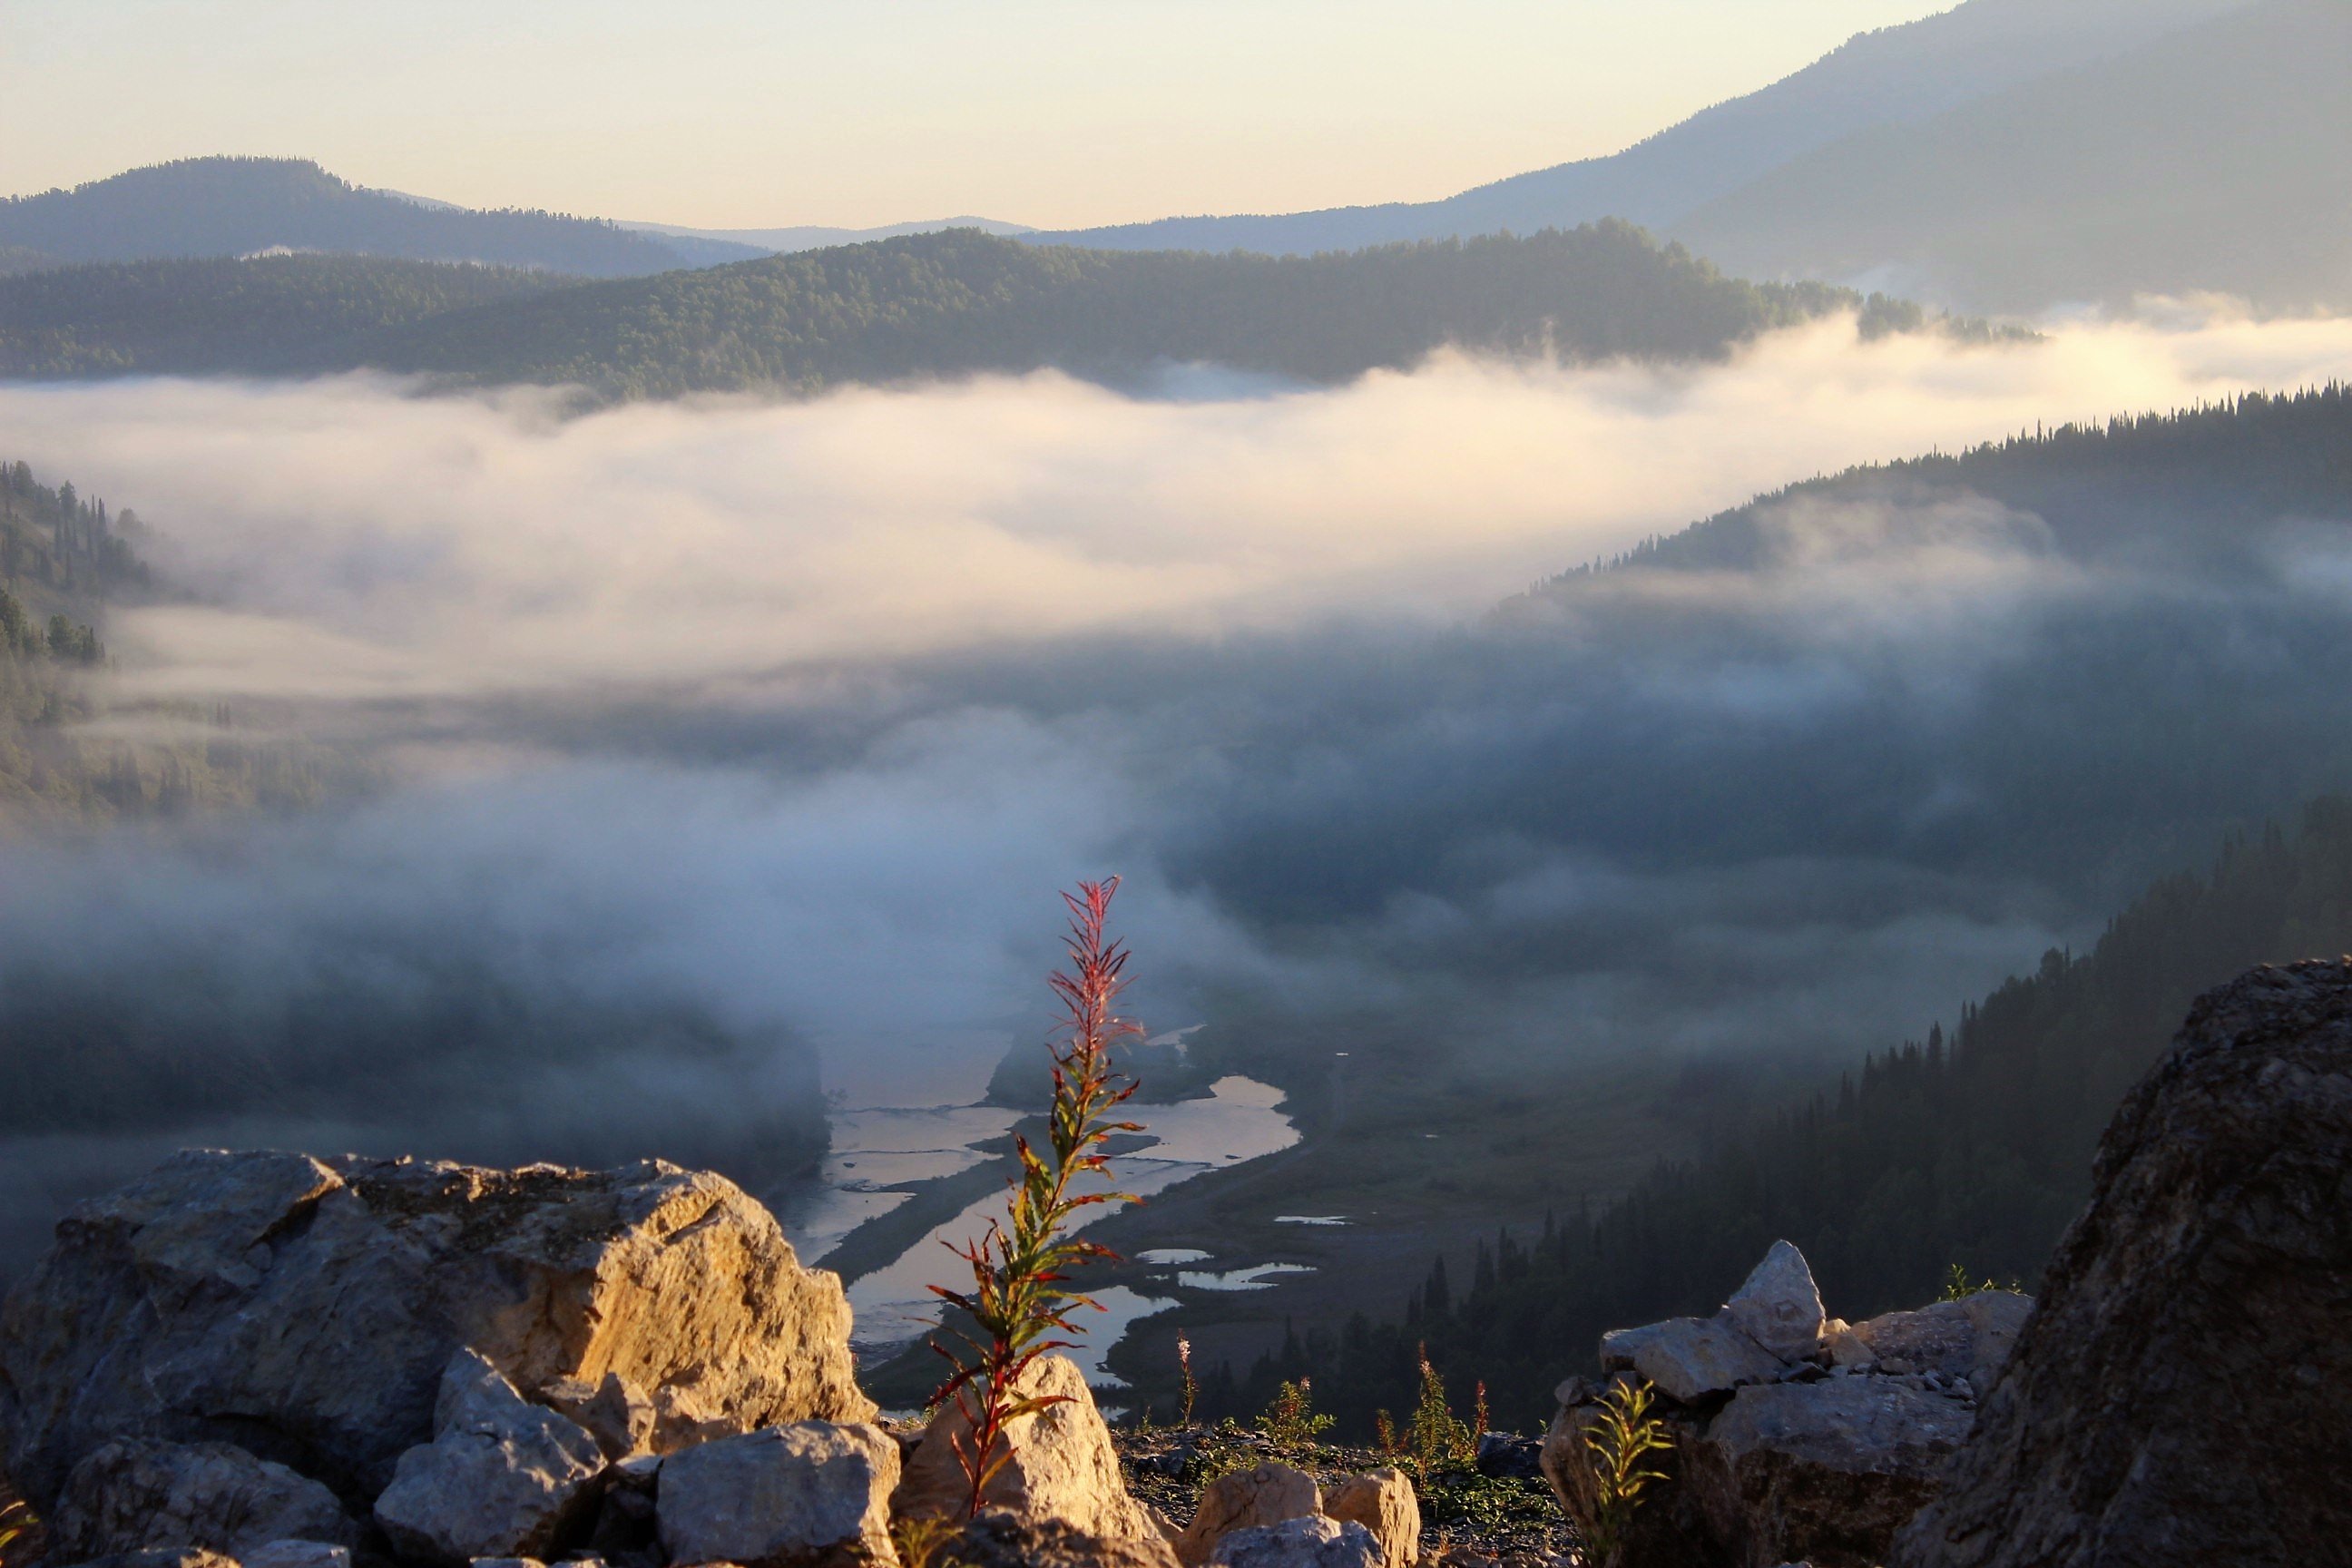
(1310, 1542)
(2176, 1396)
(1779, 1306)
(1825, 1472)
(807, 1493)
(1266, 1493)
(999, 1539)
(1060, 1463)
(503, 1477)
(305, 1309)
(1506, 1455)
(615, 1412)
(129, 1495)
(1693, 1358)
(1382, 1501)
(297, 1554)
(1970, 1338)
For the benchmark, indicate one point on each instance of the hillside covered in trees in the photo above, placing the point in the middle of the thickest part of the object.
(946, 304)
(264, 315)
(241, 207)
(64, 558)
(1968, 1150)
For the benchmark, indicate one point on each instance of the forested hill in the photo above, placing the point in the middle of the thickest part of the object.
(2198, 479)
(962, 302)
(238, 206)
(1969, 1150)
(267, 314)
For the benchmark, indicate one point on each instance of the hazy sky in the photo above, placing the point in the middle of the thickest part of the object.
(758, 112)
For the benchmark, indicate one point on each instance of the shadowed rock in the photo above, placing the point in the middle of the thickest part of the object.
(1312, 1542)
(503, 1477)
(306, 1308)
(786, 1497)
(1778, 1306)
(2177, 1396)
(130, 1496)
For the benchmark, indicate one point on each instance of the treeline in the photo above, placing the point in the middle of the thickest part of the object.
(962, 302)
(63, 557)
(270, 314)
(1969, 1149)
(240, 206)
(2203, 476)
(946, 304)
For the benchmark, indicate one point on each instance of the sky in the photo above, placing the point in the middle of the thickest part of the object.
(756, 114)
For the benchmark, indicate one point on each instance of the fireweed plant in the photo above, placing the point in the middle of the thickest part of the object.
(1020, 1269)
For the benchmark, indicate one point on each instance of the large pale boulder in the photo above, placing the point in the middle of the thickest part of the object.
(2177, 1396)
(129, 1495)
(1778, 1306)
(1060, 1463)
(785, 1497)
(1969, 1338)
(1822, 1472)
(1311, 1541)
(1382, 1501)
(305, 1309)
(1693, 1358)
(1266, 1493)
(998, 1539)
(503, 1477)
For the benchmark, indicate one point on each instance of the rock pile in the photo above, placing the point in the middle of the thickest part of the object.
(1797, 1437)
(2179, 1395)
(280, 1361)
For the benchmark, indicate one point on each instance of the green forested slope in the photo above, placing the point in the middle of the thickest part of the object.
(1972, 1149)
(962, 302)
(271, 313)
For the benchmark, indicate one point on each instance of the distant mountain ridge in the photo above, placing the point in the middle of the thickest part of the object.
(816, 237)
(244, 206)
(1894, 76)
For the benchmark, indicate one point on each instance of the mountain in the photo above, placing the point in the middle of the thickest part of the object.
(963, 303)
(2211, 159)
(1892, 76)
(265, 314)
(807, 236)
(239, 206)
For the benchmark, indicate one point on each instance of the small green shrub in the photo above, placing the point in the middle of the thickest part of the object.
(1434, 1436)
(1625, 1433)
(1290, 1419)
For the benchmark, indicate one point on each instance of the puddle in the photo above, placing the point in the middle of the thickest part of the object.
(1260, 1278)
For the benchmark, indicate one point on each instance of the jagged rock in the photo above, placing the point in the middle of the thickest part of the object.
(1826, 1472)
(2176, 1396)
(1382, 1501)
(615, 1412)
(305, 1309)
(626, 1528)
(1266, 1493)
(503, 1477)
(1061, 1463)
(298, 1555)
(808, 1493)
(1506, 1455)
(1310, 1542)
(999, 1539)
(162, 1557)
(1779, 1306)
(1691, 1359)
(129, 1495)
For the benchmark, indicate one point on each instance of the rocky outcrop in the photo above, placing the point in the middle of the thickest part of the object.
(1266, 1493)
(1382, 1501)
(998, 1539)
(297, 1554)
(1310, 1542)
(1060, 1464)
(306, 1308)
(797, 1496)
(2176, 1397)
(133, 1495)
(502, 1477)
(1819, 1450)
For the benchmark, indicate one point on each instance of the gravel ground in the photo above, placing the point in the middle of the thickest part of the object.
(1466, 1518)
